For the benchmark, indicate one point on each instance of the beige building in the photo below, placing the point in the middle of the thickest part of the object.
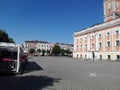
(30, 45)
(44, 45)
(65, 46)
(101, 41)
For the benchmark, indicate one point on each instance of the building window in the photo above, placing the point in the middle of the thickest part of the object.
(81, 56)
(77, 55)
(92, 37)
(118, 57)
(100, 45)
(80, 39)
(85, 38)
(100, 35)
(117, 32)
(100, 57)
(109, 10)
(109, 57)
(92, 45)
(85, 46)
(108, 34)
(76, 40)
(108, 44)
(117, 43)
(80, 46)
(77, 47)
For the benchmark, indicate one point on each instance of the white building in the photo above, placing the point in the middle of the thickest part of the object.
(65, 46)
(43, 45)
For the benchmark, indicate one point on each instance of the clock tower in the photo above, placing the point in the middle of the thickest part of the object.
(111, 10)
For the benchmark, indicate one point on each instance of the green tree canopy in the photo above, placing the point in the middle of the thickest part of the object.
(4, 37)
(43, 52)
(62, 52)
(38, 50)
(56, 50)
(48, 51)
(68, 52)
(32, 50)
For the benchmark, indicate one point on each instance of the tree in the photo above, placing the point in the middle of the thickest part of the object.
(62, 52)
(38, 50)
(68, 52)
(43, 52)
(32, 50)
(11, 40)
(48, 52)
(56, 50)
(4, 37)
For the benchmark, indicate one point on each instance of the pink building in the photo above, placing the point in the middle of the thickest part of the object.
(101, 41)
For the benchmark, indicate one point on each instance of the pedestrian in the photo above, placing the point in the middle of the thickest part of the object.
(93, 56)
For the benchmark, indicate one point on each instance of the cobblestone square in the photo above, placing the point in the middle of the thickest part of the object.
(64, 73)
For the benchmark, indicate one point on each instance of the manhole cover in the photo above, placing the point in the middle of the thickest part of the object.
(91, 74)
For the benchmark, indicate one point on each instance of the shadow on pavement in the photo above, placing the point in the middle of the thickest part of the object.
(28, 67)
(26, 82)
(31, 66)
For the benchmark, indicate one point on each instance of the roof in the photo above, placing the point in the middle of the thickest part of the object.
(36, 41)
(98, 27)
(9, 44)
(8, 48)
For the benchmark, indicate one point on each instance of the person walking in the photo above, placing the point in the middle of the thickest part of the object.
(93, 56)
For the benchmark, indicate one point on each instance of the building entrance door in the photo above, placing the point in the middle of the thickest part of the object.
(100, 57)
(93, 55)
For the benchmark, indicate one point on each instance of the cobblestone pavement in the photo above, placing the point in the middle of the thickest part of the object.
(64, 73)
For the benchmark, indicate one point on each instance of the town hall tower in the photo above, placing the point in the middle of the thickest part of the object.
(111, 10)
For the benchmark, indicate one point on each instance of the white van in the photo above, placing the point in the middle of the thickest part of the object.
(12, 57)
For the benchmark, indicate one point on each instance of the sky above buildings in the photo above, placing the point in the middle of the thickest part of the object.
(48, 20)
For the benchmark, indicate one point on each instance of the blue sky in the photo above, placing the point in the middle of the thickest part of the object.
(49, 20)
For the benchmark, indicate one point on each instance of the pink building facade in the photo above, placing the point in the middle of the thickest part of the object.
(101, 41)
